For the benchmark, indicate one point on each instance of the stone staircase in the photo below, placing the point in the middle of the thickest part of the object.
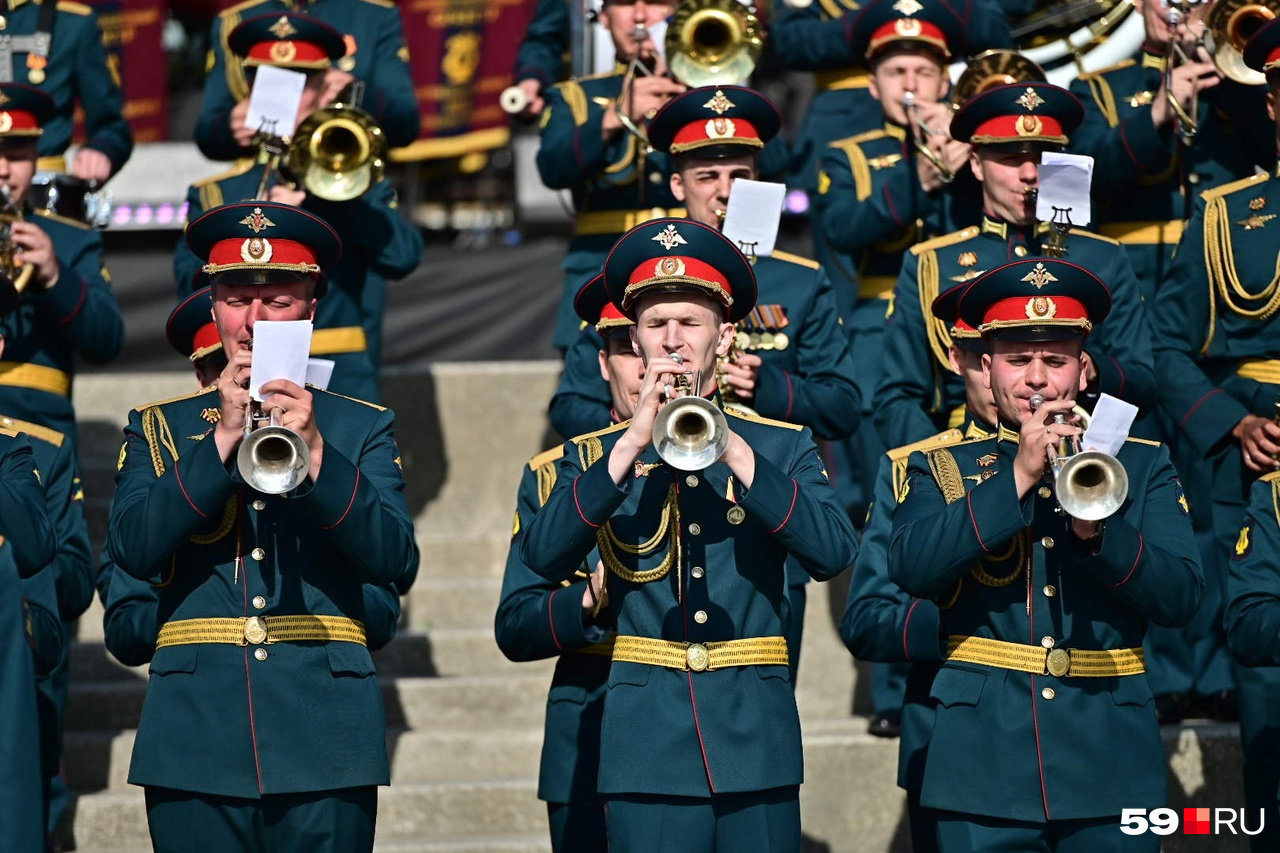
(464, 723)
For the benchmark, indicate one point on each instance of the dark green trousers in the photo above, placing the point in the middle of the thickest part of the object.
(577, 828)
(340, 821)
(760, 821)
(964, 833)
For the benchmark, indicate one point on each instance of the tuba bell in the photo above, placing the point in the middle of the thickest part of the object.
(994, 68)
(1090, 485)
(1228, 27)
(713, 42)
(690, 432)
(337, 153)
(272, 459)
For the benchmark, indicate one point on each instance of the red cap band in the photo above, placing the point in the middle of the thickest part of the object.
(303, 54)
(1036, 311)
(260, 252)
(205, 339)
(1018, 128)
(678, 272)
(1273, 60)
(18, 122)
(907, 30)
(716, 131)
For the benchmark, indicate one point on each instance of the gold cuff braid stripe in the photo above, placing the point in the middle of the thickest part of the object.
(279, 629)
(673, 654)
(1088, 663)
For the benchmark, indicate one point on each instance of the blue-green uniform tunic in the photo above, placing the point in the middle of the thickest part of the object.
(377, 55)
(30, 643)
(1014, 745)
(539, 619)
(77, 316)
(546, 44)
(1252, 614)
(78, 72)
(223, 719)
(677, 733)
(616, 184)
(918, 392)
(378, 243)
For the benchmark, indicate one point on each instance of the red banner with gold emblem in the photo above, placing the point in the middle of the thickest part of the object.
(132, 33)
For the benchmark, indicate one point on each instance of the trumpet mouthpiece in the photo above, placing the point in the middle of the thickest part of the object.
(1036, 401)
(677, 358)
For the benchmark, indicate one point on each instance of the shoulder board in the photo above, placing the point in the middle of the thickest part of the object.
(942, 439)
(1270, 477)
(546, 456)
(796, 259)
(74, 223)
(241, 166)
(945, 240)
(210, 390)
(44, 433)
(11, 433)
(1143, 441)
(859, 138)
(597, 76)
(73, 8)
(385, 4)
(747, 416)
(352, 399)
(1080, 232)
(579, 439)
(1227, 189)
(1124, 63)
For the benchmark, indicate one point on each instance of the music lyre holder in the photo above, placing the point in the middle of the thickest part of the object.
(1056, 245)
(748, 248)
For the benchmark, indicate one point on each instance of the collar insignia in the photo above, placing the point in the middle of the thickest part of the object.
(719, 104)
(968, 259)
(669, 237)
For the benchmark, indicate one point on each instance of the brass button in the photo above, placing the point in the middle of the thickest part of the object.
(258, 554)
(259, 602)
(695, 529)
(691, 481)
(255, 629)
(260, 654)
(1047, 642)
(1193, 178)
(1050, 590)
(656, 178)
(1020, 251)
(1046, 492)
(1058, 663)
(1048, 693)
(697, 658)
(700, 617)
(698, 571)
(1047, 541)
(259, 504)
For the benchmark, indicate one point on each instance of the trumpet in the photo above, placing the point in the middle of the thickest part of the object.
(919, 125)
(272, 459)
(336, 153)
(11, 212)
(690, 432)
(714, 43)
(1090, 485)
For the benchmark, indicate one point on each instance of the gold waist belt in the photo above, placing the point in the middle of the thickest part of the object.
(1264, 370)
(672, 654)
(35, 376)
(1143, 233)
(876, 286)
(261, 629)
(619, 222)
(1038, 660)
(339, 340)
(52, 164)
(603, 648)
(841, 78)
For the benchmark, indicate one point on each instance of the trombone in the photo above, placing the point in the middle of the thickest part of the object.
(690, 432)
(1184, 119)
(714, 43)
(993, 68)
(1227, 29)
(1090, 485)
(918, 126)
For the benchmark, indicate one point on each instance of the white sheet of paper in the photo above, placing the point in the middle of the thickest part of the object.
(658, 35)
(280, 350)
(273, 103)
(1064, 184)
(319, 372)
(1109, 426)
(751, 222)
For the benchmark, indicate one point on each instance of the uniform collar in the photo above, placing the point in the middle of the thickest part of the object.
(14, 4)
(1153, 57)
(897, 131)
(1002, 229)
(1004, 433)
(974, 428)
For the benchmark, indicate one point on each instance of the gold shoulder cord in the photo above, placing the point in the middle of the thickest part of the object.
(1220, 259)
(669, 527)
(927, 275)
(155, 429)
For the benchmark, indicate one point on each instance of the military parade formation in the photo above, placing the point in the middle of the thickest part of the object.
(1045, 449)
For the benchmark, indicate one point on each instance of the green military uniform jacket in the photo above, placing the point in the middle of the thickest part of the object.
(546, 44)
(1020, 746)
(615, 184)
(377, 55)
(378, 244)
(78, 71)
(1139, 171)
(220, 718)
(77, 316)
(539, 619)
(806, 372)
(917, 390)
(696, 577)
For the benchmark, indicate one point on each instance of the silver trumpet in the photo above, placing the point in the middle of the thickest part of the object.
(1089, 485)
(690, 433)
(917, 122)
(272, 459)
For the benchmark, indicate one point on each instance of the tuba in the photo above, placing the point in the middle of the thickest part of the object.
(11, 212)
(690, 432)
(1228, 27)
(272, 459)
(1089, 485)
(994, 68)
(713, 42)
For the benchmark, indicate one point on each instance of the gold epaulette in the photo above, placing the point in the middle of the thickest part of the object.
(590, 449)
(209, 390)
(74, 223)
(796, 259)
(1149, 441)
(748, 416)
(1080, 232)
(73, 8)
(551, 455)
(945, 240)
(385, 4)
(1227, 189)
(44, 433)
(352, 399)
(1269, 477)
(859, 166)
(942, 439)
(1124, 63)
(575, 97)
(544, 466)
(12, 433)
(241, 166)
(859, 138)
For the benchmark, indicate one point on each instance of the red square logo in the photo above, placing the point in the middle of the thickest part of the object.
(1196, 821)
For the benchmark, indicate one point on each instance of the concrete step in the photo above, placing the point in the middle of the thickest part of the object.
(452, 602)
(99, 760)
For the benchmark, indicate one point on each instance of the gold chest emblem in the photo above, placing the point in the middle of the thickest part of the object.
(968, 259)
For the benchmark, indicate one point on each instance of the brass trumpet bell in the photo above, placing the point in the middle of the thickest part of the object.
(1228, 27)
(713, 42)
(1091, 485)
(272, 459)
(993, 68)
(337, 153)
(690, 433)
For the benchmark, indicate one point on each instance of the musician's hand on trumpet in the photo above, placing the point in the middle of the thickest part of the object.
(640, 101)
(295, 405)
(1183, 85)
(1038, 441)
(941, 156)
(35, 248)
(661, 379)
(1259, 439)
(233, 403)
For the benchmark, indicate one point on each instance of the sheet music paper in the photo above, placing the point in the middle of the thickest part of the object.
(1109, 426)
(1064, 184)
(320, 372)
(751, 222)
(274, 101)
(280, 351)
